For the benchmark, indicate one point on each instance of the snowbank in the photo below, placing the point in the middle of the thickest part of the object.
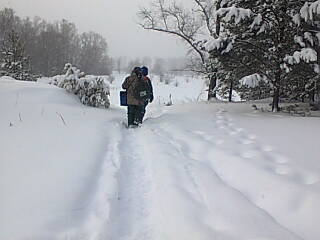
(51, 148)
(195, 170)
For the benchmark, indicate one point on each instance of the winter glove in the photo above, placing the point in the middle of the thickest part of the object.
(151, 98)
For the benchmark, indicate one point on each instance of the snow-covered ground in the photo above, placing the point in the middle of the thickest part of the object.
(193, 171)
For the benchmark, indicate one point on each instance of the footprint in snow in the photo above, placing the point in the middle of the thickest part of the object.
(220, 122)
(249, 154)
(201, 133)
(252, 137)
(277, 158)
(222, 127)
(220, 117)
(267, 148)
(208, 138)
(233, 133)
(282, 170)
(240, 130)
(307, 178)
(246, 141)
(310, 179)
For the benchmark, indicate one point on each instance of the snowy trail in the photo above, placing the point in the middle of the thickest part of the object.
(193, 171)
(176, 181)
(130, 215)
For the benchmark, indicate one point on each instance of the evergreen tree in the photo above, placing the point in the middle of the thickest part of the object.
(261, 38)
(14, 62)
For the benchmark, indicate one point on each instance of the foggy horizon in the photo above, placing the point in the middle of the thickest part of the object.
(117, 22)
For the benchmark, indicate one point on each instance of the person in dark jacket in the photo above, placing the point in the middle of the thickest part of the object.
(145, 72)
(135, 106)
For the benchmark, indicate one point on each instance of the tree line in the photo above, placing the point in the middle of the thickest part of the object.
(156, 65)
(31, 47)
(261, 48)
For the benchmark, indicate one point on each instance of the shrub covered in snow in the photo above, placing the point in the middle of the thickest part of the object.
(92, 90)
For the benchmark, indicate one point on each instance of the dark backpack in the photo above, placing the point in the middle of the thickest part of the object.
(141, 91)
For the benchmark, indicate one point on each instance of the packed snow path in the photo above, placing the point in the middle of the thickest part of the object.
(178, 179)
(191, 172)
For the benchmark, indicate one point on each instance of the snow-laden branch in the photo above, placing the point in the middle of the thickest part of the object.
(234, 13)
(253, 80)
(221, 44)
(306, 54)
(309, 10)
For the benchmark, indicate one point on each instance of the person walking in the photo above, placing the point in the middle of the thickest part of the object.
(139, 94)
(149, 99)
(135, 103)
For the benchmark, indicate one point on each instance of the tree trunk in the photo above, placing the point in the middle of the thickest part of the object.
(212, 86)
(276, 97)
(276, 94)
(230, 91)
(312, 93)
(312, 96)
(213, 79)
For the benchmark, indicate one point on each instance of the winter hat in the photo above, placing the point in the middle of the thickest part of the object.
(145, 71)
(137, 70)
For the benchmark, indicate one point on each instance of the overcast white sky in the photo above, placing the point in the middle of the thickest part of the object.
(114, 19)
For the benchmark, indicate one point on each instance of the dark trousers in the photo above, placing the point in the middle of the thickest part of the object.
(136, 114)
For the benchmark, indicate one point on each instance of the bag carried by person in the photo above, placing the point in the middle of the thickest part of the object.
(141, 91)
(123, 98)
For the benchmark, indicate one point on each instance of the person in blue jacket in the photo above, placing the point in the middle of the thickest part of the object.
(145, 72)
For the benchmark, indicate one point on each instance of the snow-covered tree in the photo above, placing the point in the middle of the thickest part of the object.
(14, 62)
(94, 58)
(192, 22)
(262, 37)
(305, 61)
(50, 45)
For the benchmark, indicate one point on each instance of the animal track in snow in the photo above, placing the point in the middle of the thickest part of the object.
(252, 137)
(201, 133)
(233, 133)
(307, 178)
(267, 148)
(277, 158)
(250, 154)
(282, 170)
(246, 141)
(310, 179)
(250, 148)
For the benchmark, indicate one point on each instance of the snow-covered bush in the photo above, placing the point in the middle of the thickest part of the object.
(92, 90)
